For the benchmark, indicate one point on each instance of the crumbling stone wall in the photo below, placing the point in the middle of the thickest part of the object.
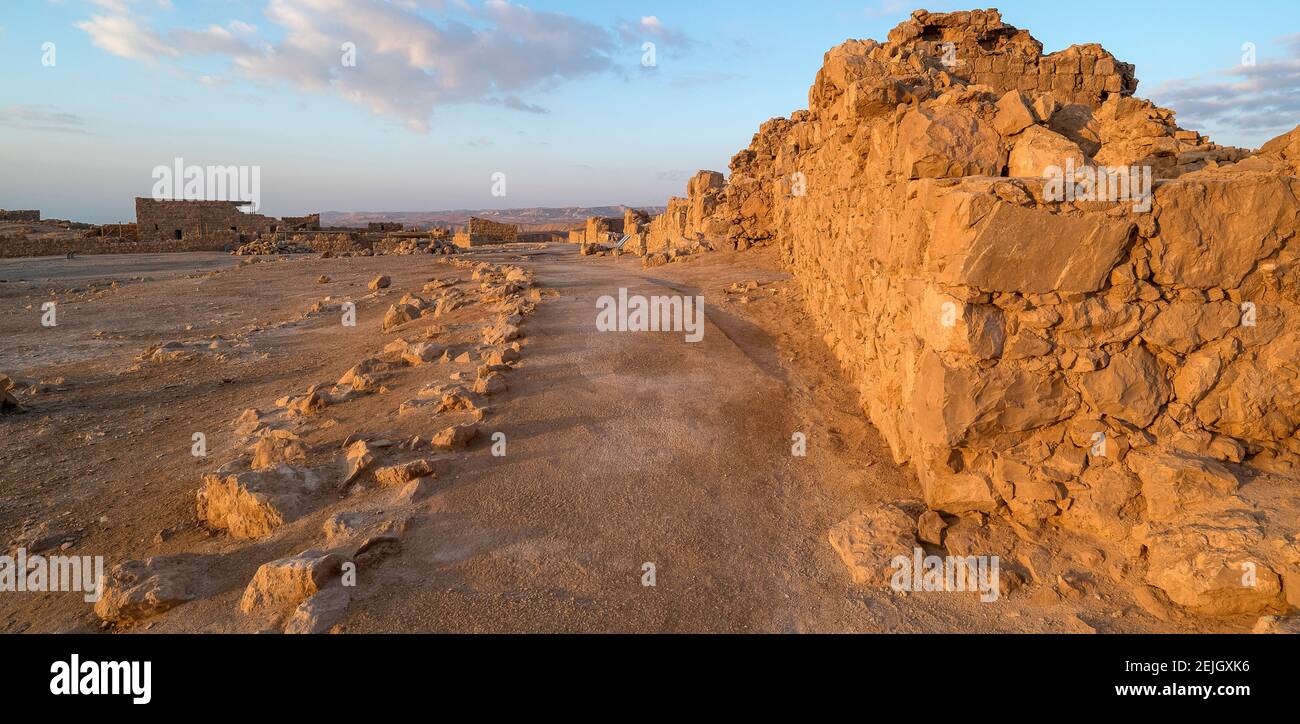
(210, 224)
(603, 230)
(1109, 368)
(492, 231)
(310, 222)
(384, 226)
(22, 215)
(689, 224)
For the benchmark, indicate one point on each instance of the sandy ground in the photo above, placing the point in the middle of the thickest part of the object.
(622, 449)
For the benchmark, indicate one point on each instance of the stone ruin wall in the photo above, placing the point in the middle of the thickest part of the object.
(997, 335)
(20, 215)
(202, 225)
(492, 231)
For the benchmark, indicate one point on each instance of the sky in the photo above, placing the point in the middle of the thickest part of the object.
(556, 95)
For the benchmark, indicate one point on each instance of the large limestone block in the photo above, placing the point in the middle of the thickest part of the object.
(953, 405)
(1178, 484)
(1015, 249)
(872, 537)
(138, 589)
(1038, 149)
(288, 582)
(947, 142)
(949, 324)
(252, 504)
(1132, 387)
(1104, 503)
(1185, 326)
(957, 492)
(1207, 565)
(1213, 231)
(1285, 151)
(1013, 114)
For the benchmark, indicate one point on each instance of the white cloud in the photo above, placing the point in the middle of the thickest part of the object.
(408, 60)
(1249, 103)
(122, 35)
(650, 27)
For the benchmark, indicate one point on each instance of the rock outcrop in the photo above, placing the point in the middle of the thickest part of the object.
(1058, 306)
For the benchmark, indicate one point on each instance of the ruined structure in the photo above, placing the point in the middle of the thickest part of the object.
(20, 215)
(479, 232)
(1038, 339)
(209, 225)
(384, 226)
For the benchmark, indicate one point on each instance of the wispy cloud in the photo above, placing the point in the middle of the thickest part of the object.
(411, 56)
(1253, 102)
(653, 29)
(42, 118)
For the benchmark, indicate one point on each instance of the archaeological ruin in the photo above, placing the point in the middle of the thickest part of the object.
(480, 232)
(1112, 366)
(210, 225)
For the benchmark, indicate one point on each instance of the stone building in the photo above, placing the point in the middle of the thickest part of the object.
(210, 224)
(481, 231)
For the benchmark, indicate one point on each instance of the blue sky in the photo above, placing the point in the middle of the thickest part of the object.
(550, 93)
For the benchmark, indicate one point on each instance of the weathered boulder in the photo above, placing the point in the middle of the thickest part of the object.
(1132, 388)
(872, 537)
(252, 504)
(287, 582)
(139, 589)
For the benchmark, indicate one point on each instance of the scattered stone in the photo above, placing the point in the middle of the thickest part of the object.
(276, 447)
(872, 537)
(493, 384)
(139, 589)
(456, 437)
(287, 582)
(404, 472)
(254, 503)
(319, 613)
(930, 527)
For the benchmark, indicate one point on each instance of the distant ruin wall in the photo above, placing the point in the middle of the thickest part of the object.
(485, 230)
(22, 215)
(310, 222)
(384, 226)
(11, 248)
(210, 224)
(1110, 367)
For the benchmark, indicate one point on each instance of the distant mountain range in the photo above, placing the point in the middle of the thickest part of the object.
(534, 219)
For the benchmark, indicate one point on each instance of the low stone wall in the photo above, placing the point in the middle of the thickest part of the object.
(21, 215)
(11, 248)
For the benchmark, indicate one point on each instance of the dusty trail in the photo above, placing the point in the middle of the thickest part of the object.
(633, 448)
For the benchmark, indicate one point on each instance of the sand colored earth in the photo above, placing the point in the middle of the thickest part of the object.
(620, 449)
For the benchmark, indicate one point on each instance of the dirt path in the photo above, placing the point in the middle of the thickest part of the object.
(634, 448)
